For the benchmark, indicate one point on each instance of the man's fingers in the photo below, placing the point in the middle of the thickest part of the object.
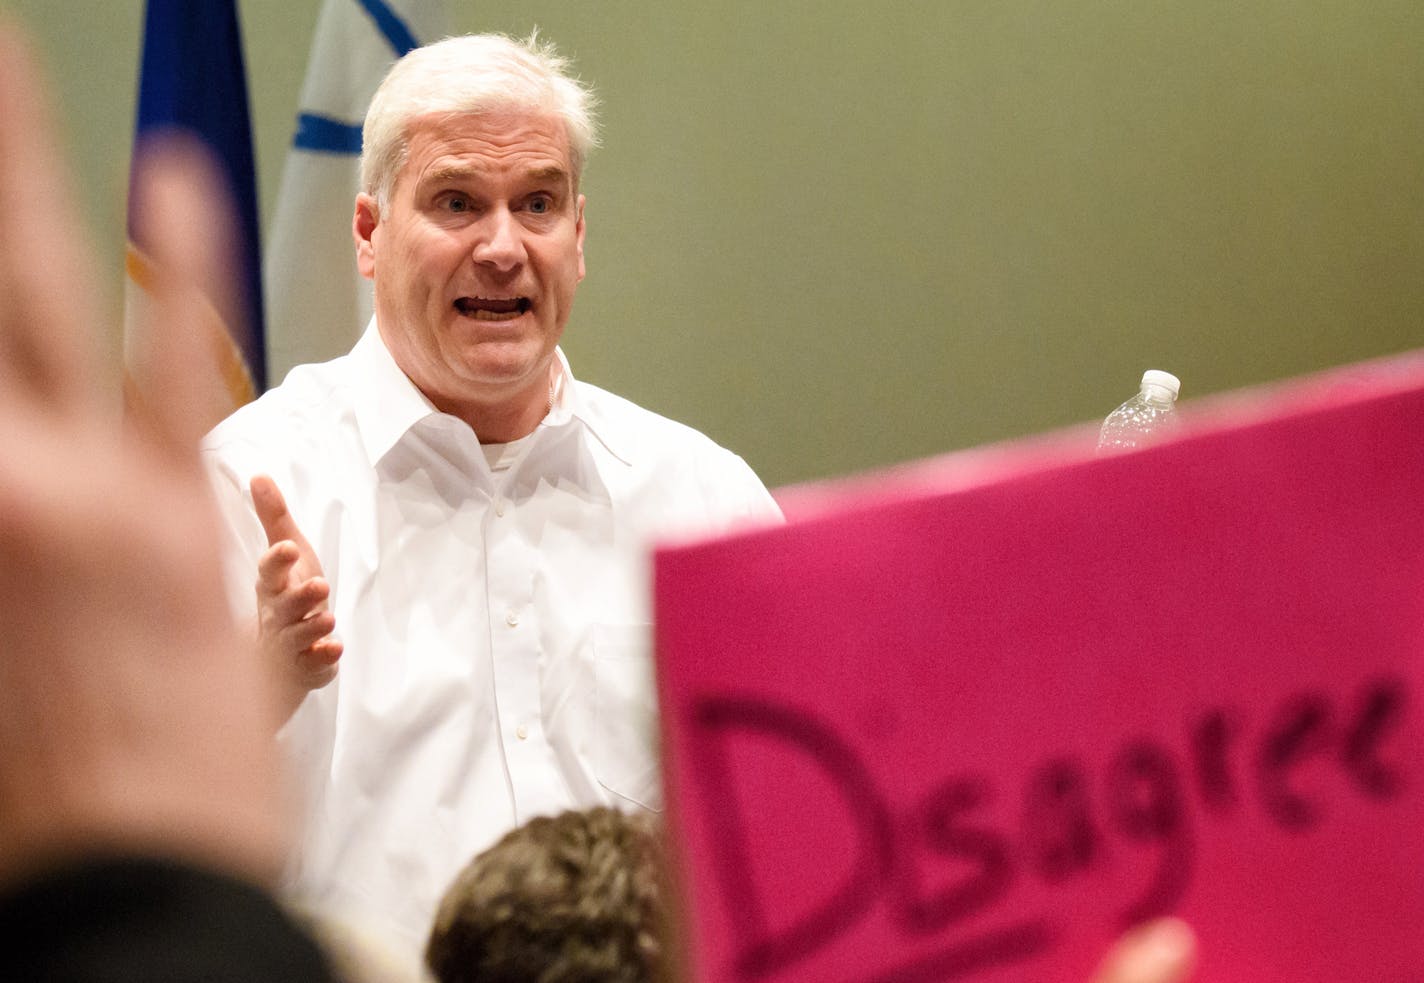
(1161, 951)
(272, 512)
(310, 639)
(289, 607)
(274, 566)
(325, 651)
(276, 571)
(295, 622)
(315, 666)
(47, 282)
(315, 676)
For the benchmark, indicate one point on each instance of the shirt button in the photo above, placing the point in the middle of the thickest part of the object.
(522, 732)
(512, 619)
(499, 507)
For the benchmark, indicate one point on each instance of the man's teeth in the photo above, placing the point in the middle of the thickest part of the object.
(484, 309)
(491, 309)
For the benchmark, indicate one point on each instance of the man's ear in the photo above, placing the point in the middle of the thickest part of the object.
(579, 229)
(363, 230)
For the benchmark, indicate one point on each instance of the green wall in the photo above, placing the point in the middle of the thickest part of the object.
(835, 235)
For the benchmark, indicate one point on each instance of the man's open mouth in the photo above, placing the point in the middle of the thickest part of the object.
(492, 308)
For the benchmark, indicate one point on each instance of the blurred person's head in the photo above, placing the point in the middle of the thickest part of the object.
(575, 898)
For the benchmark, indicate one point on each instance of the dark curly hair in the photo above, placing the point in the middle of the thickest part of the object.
(574, 898)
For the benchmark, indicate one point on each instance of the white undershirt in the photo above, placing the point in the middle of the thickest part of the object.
(500, 457)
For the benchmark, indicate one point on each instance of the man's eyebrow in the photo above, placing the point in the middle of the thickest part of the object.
(551, 175)
(539, 175)
(444, 174)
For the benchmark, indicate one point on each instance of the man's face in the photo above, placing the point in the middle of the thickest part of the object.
(476, 258)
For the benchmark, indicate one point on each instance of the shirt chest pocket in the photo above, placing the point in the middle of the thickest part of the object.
(625, 738)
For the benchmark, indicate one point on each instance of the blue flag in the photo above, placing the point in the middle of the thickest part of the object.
(193, 79)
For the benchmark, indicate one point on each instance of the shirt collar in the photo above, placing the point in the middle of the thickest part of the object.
(571, 405)
(388, 404)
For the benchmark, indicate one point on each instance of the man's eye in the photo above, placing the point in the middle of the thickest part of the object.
(539, 206)
(458, 204)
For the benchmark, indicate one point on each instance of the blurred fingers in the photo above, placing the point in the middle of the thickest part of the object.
(184, 221)
(1160, 951)
(47, 279)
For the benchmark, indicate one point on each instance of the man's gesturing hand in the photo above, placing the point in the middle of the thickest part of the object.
(294, 625)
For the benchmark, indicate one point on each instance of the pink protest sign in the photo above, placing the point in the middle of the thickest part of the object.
(970, 719)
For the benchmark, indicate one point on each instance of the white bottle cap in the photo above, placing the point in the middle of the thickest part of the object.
(1156, 377)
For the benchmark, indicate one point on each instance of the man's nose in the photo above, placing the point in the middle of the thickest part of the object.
(501, 241)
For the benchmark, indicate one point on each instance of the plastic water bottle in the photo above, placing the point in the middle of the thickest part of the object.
(1144, 418)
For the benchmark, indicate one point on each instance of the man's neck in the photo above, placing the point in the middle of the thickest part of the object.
(497, 415)
(509, 418)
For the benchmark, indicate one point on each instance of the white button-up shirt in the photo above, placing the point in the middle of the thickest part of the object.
(496, 623)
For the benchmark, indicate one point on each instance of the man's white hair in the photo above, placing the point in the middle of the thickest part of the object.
(474, 73)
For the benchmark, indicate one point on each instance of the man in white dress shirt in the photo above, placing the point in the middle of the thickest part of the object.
(449, 532)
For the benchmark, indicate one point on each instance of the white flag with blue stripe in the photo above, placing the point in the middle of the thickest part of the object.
(317, 303)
